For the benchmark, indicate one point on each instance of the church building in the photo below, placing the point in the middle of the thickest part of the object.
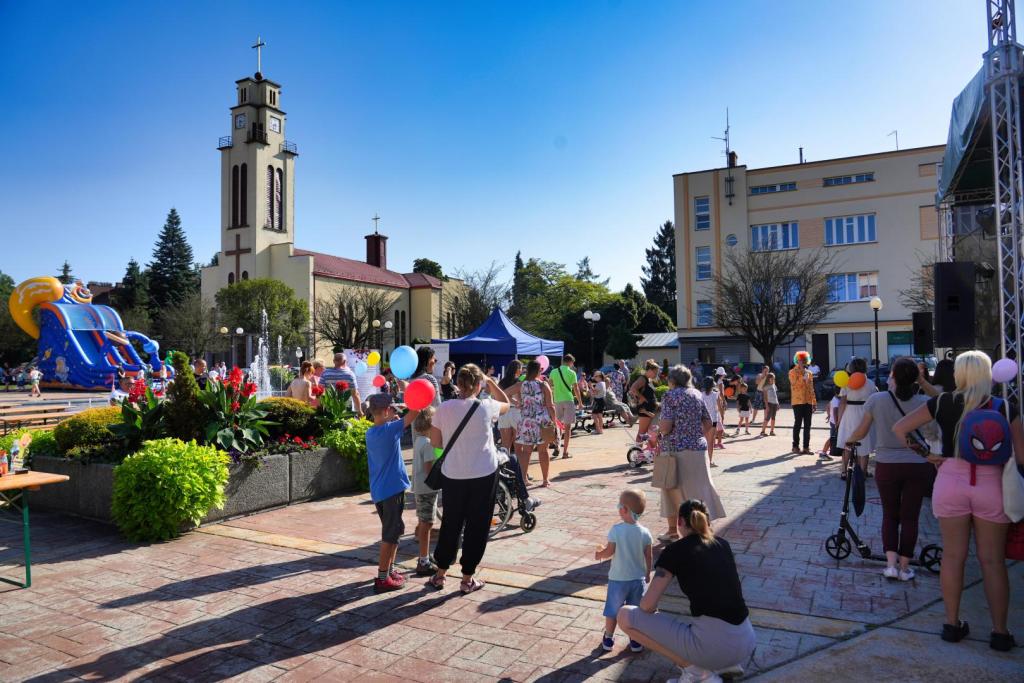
(258, 231)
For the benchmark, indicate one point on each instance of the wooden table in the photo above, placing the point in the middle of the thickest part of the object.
(15, 421)
(22, 408)
(14, 490)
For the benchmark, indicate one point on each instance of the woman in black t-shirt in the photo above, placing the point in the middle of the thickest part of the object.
(721, 636)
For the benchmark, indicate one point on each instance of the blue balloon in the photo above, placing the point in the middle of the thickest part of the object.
(361, 367)
(404, 362)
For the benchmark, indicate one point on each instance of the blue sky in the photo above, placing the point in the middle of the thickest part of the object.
(474, 128)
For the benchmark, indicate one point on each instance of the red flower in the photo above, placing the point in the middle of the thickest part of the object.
(317, 390)
(298, 440)
(235, 378)
(235, 405)
(249, 389)
(341, 385)
(282, 439)
(137, 391)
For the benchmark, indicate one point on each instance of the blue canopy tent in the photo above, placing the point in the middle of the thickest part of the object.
(497, 341)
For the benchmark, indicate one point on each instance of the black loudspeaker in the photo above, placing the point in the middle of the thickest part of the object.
(923, 343)
(954, 305)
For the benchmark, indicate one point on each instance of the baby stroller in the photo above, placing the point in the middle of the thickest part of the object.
(838, 545)
(643, 452)
(508, 500)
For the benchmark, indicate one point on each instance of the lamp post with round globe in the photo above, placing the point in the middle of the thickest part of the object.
(876, 306)
(591, 317)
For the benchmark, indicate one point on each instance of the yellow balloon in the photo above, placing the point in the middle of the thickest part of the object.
(842, 378)
(373, 358)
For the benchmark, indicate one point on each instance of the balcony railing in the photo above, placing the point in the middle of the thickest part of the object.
(289, 147)
(225, 142)
(257, 136)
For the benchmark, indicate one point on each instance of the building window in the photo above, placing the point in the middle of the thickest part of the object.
(784, 352)
(231, 278)
(852, 286)
(850, 229)
(769, 189)
(270, 197)
(243, 196)
(849, 179)
(703, 263)
(405, 337)
(245, 274)
(852, 345)
(701, 213)
(243, 95)
(398, 329)
(774, 236)
(705, 314)
(279, 200)
(234, 196)
(791, 292)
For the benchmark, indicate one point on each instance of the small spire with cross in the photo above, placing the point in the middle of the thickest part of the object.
(259, 54)
(376, 220)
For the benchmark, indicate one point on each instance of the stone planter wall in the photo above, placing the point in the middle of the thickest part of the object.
(278, 481)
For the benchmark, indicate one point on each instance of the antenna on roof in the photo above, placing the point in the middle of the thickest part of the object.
(897, 134)
(730, 160)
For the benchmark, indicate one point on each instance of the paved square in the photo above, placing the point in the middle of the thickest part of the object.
(287, 594)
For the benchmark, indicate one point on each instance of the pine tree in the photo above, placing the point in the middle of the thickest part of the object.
(172, 274)
(518, 307)
(66, 277)
(659, 280)
(133, 291)
(585, 273)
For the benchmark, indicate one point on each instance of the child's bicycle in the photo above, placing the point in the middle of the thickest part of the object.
(643, 452)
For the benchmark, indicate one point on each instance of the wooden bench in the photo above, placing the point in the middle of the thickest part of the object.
(34, 420)
(27, 408)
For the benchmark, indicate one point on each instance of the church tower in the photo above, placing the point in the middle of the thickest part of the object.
(257, 180)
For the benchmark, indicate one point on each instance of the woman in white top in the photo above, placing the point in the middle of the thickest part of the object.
(598, 391)
(851, 414)
(470, 471)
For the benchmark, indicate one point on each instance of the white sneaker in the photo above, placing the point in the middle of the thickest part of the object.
(695, 674)
(907, 574)
(891, 573)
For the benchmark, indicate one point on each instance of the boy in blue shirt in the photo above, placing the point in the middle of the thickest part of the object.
(388, 483)
(630, 546)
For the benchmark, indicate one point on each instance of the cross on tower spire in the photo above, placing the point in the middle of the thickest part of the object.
(376, 220)
(259, 54)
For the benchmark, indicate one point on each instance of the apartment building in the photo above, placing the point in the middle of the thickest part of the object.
(879, 209)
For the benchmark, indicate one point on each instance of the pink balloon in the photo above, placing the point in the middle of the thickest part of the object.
(379, 381)
(544, 362)
(419, 394)
(1004, 370)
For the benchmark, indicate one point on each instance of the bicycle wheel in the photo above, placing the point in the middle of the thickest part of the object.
(634, 456)
(503, 506)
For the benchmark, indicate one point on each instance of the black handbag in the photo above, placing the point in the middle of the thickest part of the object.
(435, 478)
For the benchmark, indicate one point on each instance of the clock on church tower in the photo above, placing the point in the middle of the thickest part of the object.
(257, 178)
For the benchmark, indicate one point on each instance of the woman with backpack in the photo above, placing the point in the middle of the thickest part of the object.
(903, 474)
(977, 433)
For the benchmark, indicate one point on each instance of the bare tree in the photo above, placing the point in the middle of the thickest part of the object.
(920, 295)
(770, 297)
(191, 326)
(344, 319)
(484, 289)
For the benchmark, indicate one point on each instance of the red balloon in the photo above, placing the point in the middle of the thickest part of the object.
(379, 381)
(419, 394)
(857, 380)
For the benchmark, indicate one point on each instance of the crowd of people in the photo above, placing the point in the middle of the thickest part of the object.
(22, 377)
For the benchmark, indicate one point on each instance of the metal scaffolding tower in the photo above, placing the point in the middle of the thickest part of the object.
(1003, 64)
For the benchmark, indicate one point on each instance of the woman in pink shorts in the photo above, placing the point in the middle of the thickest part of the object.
(960, 504)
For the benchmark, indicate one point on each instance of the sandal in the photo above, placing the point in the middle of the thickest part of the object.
(473, 585)
(436, 582)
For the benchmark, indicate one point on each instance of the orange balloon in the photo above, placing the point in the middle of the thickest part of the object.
(857, 380)
(729, 391)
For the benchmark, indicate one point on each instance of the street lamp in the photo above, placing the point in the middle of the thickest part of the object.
(298, 355)
(237, 331)
(591, 317)
(876, 306)
(387, 326)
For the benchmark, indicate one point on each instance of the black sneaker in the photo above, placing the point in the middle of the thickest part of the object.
(954, 634)
(1002, 642)
(427, 568)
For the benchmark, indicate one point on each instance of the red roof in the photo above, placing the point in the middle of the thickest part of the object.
(341, 268)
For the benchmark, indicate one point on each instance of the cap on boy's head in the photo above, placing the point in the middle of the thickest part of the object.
(379, 402)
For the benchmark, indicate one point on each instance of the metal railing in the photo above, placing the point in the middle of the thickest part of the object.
(257, 136)
(289, 147)
(225, 142)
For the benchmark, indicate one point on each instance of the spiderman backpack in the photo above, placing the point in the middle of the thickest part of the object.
(985, 436)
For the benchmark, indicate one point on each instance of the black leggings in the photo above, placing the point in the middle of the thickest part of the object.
(802, 416)
(468, 508)
(521, 491)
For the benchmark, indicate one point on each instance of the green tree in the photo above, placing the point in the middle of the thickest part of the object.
(659, 279)
(172, 274)
(241, 305)
(622, 342)
(66, 277)
(133, 290)
(585, 273)
(15, 346)
(190, 325)
(518, 292)
(484, 290)
(427, 267)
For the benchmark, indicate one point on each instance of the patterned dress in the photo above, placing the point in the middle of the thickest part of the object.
(533, 414)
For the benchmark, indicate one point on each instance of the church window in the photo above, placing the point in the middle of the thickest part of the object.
(398, 329)
(270, 197)
(279, 199)
(243, 95)
(231, 278)
(245, 274)
(234, 196)
(243, 196)
(404, 336)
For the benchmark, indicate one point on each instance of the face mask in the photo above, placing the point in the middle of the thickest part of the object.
(634, 515)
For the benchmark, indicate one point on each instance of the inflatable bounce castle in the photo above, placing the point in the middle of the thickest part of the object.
(81, 345)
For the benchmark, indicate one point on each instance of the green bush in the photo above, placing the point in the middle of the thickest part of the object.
(293, 417)
(87, 429)
(660, 391)
(184, 415)
(167, 483)
(350, 443)
(43, 443)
